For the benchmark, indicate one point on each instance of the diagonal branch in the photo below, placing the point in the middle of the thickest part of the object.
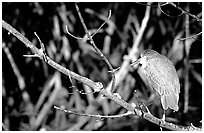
(95, 85)
(95, 116)
(186, 12)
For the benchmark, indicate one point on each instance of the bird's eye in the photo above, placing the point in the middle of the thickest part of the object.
(140, 64)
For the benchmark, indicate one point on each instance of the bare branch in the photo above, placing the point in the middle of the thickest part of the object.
(82, 20)
(102, 24)
(183, 11)
(164, 3)
(78, 38)
(42, 48)
(168, 14)
(189, 37)
(123, 69)
(38, 37)
(96, 48)
(90, 115)
(186, 12)
(36, 51)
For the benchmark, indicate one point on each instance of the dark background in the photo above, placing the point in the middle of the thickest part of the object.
(115, 40)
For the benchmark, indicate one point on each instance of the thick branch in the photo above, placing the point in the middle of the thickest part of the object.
(52, 63)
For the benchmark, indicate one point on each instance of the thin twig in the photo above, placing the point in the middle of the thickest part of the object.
(186, 12)
(102, 24)
(189, 37)
(41, 44)
(96, 116)
(31, 56)
(82, 20)
(96, 49)
(78, 38)
(152, 5)
(42, 48)
(38, 37)
(168, 14)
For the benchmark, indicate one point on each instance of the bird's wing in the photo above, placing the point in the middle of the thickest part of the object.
(162, 78)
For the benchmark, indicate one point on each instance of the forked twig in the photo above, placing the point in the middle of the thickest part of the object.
(42, 48)
(42, 54)
(109, 15)
(89, 37)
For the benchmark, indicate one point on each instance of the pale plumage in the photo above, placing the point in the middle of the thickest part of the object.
(162, 76)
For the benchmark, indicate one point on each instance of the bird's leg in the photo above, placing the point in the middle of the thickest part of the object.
(163, 118)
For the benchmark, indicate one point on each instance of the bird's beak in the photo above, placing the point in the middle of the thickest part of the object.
(135, 62)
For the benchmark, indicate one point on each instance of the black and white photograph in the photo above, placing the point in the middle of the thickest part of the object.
(101, 66)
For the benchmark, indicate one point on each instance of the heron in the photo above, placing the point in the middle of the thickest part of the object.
(161, 76)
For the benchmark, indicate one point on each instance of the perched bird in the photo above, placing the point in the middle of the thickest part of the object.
(161, 76)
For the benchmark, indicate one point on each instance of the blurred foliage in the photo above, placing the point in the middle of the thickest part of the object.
(22, 105)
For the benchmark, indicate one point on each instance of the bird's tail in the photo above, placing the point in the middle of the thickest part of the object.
(170, 101)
